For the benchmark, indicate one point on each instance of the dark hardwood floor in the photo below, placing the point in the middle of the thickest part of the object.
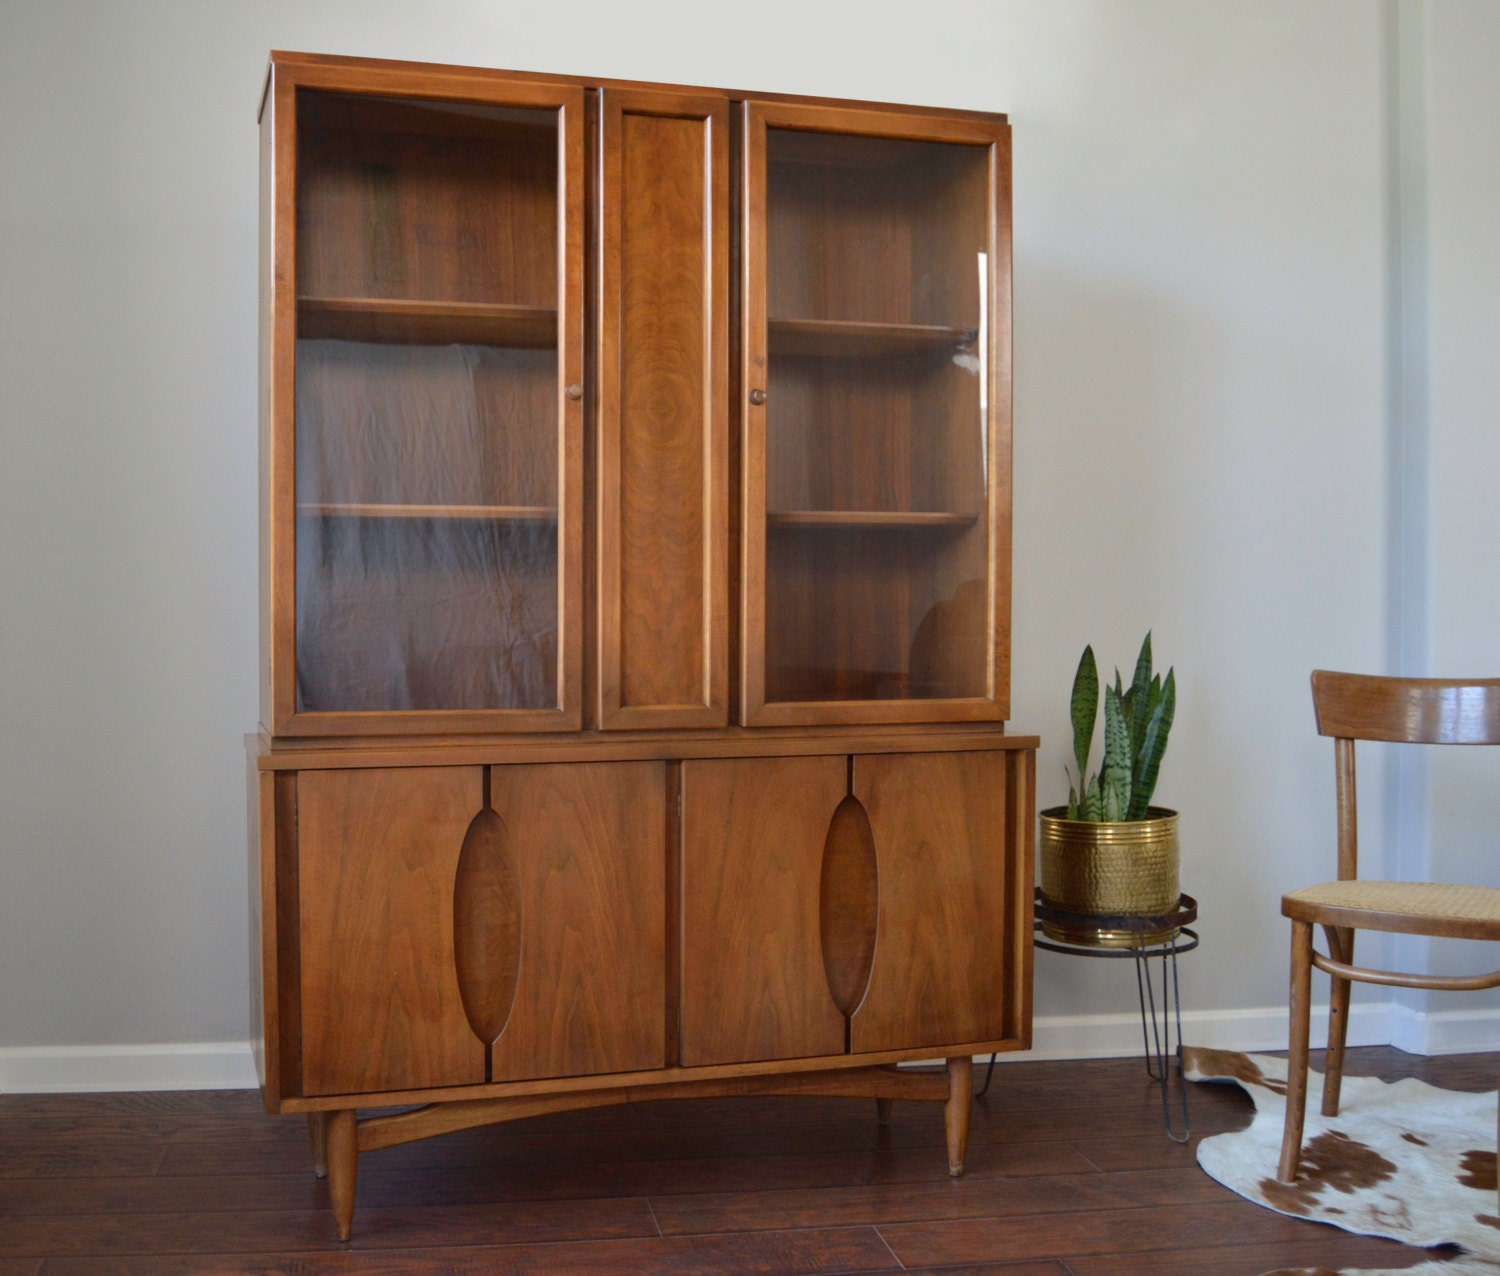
(1068, 1172)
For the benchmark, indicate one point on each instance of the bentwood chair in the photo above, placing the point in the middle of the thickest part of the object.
(1354, 707)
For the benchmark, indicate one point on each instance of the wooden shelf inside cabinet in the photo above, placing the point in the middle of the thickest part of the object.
(896, 520)
(838, 338)
(433, 323)
(478, 513)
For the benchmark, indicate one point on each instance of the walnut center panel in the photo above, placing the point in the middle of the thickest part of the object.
(663, 376)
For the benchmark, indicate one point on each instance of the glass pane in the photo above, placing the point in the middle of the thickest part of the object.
(877, 532)
(427, 406)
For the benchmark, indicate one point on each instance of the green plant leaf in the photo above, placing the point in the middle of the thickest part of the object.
(1085, 708)
(1153, 747)
(1093, 802)
(1115, 778)
(1138, 700)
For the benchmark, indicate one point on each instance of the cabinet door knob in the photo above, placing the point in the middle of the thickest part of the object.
(757, 397)
(574, 391)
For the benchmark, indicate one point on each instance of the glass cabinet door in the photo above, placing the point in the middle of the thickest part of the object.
(877, 426)
(437, 401)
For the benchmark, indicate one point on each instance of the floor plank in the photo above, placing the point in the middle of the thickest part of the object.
(844, 1250)
(258, 1232)
(961, 1198)
(1091, 1232)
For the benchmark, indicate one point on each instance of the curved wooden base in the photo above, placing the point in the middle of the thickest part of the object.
(344, 1137)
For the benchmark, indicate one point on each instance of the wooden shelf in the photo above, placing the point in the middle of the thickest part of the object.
(427, 323)
(893, 519)
(837, 338)
(490, 513)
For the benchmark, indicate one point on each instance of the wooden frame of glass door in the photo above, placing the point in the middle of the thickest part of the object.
(990, 701)
(279, 302)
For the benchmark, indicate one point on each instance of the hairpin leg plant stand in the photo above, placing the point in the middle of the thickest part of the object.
(1159, 1019)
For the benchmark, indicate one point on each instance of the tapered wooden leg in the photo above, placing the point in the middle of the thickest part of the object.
(1296, 1061)
(883, 1111)
(956, 1113)
(317, 1133)
(1341, 948)
(343, 1168)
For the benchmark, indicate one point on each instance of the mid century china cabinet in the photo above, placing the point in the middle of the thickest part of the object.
(635, 584)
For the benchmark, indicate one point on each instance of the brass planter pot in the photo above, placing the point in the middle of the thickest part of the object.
(1123, 869)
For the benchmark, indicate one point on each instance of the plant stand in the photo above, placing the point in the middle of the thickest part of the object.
(1160, 1019)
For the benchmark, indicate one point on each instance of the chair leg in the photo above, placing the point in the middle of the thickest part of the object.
(1296, 1063)
(1341, 948)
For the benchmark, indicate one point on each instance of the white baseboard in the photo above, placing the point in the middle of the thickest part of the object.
(1370, 1024)
(228, 1065)
(1115, 1035)
(1444, 1031)
(209, 1065)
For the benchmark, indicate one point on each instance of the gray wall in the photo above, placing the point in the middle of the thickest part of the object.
(1212, 438)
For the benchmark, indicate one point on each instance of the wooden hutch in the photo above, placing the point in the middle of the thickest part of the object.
(635, 601)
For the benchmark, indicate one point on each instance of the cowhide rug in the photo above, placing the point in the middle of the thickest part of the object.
(1403, 1160)
(1458, 1267)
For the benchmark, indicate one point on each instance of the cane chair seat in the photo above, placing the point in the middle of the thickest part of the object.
(1414, 908)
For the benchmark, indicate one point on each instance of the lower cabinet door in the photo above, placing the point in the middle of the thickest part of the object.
(458, 927)
(830, 907)
(753, 837)
(945, 940)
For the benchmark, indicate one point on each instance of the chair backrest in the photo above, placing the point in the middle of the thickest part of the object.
(1355, 706)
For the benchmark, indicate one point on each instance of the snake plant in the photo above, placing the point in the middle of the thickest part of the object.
(1136, 724)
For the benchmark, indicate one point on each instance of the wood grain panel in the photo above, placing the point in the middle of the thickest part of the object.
(409, 200)
(754, 832)
(941, 971)
(378, 853)
(435, 424)
(1020, 797)
(265, 1026)
(278, 392)
(427, 615)
(487, 924)
(589, 845)
(663, 410)
(754, 371)
(288, 941)
(848, 904)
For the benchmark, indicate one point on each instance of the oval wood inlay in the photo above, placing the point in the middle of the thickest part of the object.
(487, 925)
(848, 907)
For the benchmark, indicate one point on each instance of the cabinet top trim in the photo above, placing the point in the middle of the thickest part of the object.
(621, 746)
(292, 61)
